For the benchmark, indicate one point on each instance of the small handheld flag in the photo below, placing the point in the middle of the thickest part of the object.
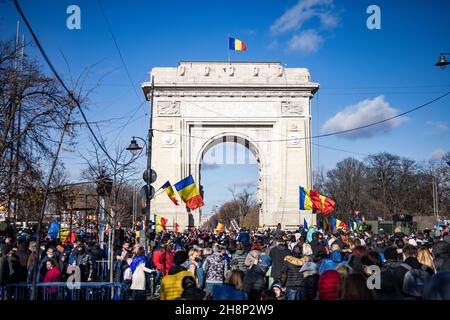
(305, 224)
(236, 44)
(170, 193)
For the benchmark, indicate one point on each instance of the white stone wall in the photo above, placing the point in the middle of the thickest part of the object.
(261, 102)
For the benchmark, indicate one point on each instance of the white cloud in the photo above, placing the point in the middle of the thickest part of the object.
(308, 41)
(363, 113)
(441, 127)
(304, 10)
(437, 154)
(293, 20)
(272, 45)
(438, 127)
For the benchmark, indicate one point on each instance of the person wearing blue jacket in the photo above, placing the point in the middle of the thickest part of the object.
(333, 261)
(232, 287)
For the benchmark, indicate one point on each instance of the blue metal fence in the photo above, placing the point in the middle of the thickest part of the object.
(62, 291)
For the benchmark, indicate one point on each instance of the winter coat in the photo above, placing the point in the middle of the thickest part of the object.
(400, 271)
(228, 292)
(255, 282)
(14, 268)
(291, 272)
(277, 254)
(163, 260)
(86, 265)
(4, 270)
(389, 289)
(53, 275)
(332, 262)
(138, 280)
(171, 284)
(243, 237)
(193, 294)
(308, 287)
(215, 267)
(239, 260)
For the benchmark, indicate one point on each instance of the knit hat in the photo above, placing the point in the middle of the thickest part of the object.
(328, 285)
(180, 257)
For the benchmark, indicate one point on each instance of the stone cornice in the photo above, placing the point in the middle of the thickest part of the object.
(231, 93)
(207, 90)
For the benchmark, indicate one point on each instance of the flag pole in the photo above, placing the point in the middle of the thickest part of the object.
(228, 40)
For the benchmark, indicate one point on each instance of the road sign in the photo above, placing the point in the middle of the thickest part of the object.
(153, 176)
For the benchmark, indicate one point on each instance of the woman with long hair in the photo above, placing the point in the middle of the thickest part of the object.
(138, 270)
(232, 289)
(355, 288)
(424, 256)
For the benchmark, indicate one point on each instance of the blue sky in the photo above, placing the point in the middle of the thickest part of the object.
(368, 74)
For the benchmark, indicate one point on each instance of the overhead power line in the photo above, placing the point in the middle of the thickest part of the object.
(58, 77)
(127, 71)
(331, 133)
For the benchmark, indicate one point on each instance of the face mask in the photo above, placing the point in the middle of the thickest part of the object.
(50, 255)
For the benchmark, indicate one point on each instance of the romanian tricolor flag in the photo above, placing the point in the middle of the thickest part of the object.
(170, 193)
(312, 200)
(219, 227)
(236, 44)
(160, 223)
(189, 193)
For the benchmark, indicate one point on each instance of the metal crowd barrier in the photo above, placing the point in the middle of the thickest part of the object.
(61, 291)
(102, 271)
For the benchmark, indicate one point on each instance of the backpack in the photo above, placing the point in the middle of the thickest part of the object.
(414, 280)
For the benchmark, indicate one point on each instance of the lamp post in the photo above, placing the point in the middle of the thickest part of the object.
(135, 148)
(442, 62)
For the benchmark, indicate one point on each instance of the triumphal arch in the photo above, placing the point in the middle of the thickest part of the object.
(262, 105)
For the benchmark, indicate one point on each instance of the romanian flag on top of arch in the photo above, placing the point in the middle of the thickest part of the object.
(236, 44)
(189, 193)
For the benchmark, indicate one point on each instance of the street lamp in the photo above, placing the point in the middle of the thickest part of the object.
(442, 62)
(134, 148)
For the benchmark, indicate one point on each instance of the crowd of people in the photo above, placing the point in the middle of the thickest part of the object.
(248, 265)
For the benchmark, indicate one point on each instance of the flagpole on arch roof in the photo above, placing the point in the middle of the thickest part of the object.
(228, 42)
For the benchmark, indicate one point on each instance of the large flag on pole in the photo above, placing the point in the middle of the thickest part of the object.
(189, 193)
(312, 200)
(170, 193)
(236, 44)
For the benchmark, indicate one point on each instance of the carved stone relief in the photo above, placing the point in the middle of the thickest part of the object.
(291, 109)
(169, 108)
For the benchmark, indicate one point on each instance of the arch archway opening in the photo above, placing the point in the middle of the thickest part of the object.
(230, 182)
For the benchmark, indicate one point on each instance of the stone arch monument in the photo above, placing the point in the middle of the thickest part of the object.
(262, 105)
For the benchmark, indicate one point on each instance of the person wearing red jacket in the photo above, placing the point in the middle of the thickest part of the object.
(53, 275)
